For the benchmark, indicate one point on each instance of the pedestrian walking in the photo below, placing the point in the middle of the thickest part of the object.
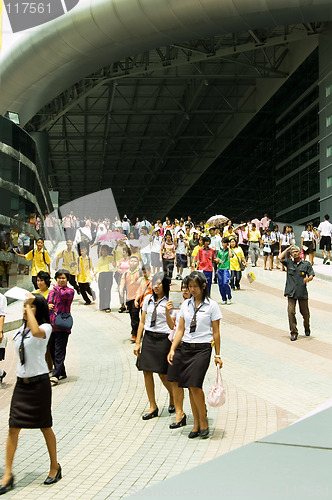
(299, 273)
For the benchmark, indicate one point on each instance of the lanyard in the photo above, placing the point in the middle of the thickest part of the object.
(193, 322)
(154, 313)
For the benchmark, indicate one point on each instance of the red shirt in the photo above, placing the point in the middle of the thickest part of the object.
(205, 256)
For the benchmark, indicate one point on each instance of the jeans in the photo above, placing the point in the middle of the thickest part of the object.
(58, 348)
(105, 282)
(235, 279)
(254, 252)
(223, 277)
(208, 275)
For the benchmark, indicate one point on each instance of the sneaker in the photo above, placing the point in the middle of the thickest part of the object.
(324, 260)
(224, 302)
(2, 376)
(54, 381)
(328, 262)
(229, 301)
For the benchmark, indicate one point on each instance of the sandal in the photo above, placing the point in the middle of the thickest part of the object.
(121, 309)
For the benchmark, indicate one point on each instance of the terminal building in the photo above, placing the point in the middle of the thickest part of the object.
(216, 108)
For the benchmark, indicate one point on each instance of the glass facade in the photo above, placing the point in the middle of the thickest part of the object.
(24, 200)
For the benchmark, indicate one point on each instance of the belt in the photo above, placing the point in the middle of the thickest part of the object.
(32, 380)
(159, 336)
(203, 345)
(253, 241)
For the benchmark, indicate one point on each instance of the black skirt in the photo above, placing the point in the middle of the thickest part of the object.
(30, 406)
(153, 357)
(195, 360)
(174, 369)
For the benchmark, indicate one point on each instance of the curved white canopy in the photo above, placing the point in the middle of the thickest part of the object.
(48, 59)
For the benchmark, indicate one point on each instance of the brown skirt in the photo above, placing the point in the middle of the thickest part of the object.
(30, 406)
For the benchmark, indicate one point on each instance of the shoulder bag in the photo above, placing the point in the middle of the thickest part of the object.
(63, 321)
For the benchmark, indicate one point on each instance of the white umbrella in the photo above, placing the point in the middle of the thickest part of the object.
(217, 220)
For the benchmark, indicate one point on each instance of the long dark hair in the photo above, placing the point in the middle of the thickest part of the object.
(42, 312)
(200, 279)
(164, 281)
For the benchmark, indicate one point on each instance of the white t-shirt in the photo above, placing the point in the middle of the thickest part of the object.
(156, 244)
(34, 350)
(215, 242)
(161, 325)
(125, 225)
(3, 305)
(207, 313)
(325, 228)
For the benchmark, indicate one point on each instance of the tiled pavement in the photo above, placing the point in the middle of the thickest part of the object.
(107, 451)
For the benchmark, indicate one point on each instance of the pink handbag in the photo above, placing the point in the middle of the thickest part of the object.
(217, 392)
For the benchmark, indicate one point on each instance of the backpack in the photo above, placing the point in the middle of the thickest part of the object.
(33, 254)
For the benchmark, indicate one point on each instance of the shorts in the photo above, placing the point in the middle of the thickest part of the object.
(325, 243)
(181, 260)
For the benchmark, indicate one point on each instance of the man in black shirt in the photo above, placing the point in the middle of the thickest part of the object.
(299, 273)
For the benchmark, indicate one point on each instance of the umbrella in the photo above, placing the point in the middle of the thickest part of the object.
(217, 220)
(112, 235)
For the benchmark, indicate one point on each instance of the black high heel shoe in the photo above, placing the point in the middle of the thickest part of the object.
(153, 414)
(6, 487)
(182, 422)
(58, 476)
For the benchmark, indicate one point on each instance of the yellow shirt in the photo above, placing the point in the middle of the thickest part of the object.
(254, 235)
(38, 262)
(84, 270)
(229, 234)
(195, 251)
(235, 254)
(69, 260)
(105, 265)
(44, 294)
(118, 252)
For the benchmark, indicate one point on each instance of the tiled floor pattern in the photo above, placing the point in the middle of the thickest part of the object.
(105, 448)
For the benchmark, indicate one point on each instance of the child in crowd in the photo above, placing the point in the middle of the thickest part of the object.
(205, 258)
(129, 285)
(223, 272)
(84, 277)
(105, 269)
(144, 286)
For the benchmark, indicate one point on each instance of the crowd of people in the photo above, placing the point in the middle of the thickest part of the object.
(174, 341)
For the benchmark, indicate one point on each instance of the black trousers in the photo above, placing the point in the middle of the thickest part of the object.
(34, 281)
(85, 289)
(72, 281)
(134, 316)
(58, 347)
(105, 282)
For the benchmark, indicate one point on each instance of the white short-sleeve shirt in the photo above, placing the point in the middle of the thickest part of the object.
(209, 312)
(34, 351)
(161, 325)
(325, 228)
(3, 305)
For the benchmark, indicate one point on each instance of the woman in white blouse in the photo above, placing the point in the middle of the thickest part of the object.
(307, 242)
(198, 327)
(31, 401)
(152, 356)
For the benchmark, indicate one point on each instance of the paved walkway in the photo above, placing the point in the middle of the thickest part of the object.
(107, 451)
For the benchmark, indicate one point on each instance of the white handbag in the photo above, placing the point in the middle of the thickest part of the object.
(217, 392)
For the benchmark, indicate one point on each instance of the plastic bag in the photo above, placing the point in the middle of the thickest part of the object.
(217, 392)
